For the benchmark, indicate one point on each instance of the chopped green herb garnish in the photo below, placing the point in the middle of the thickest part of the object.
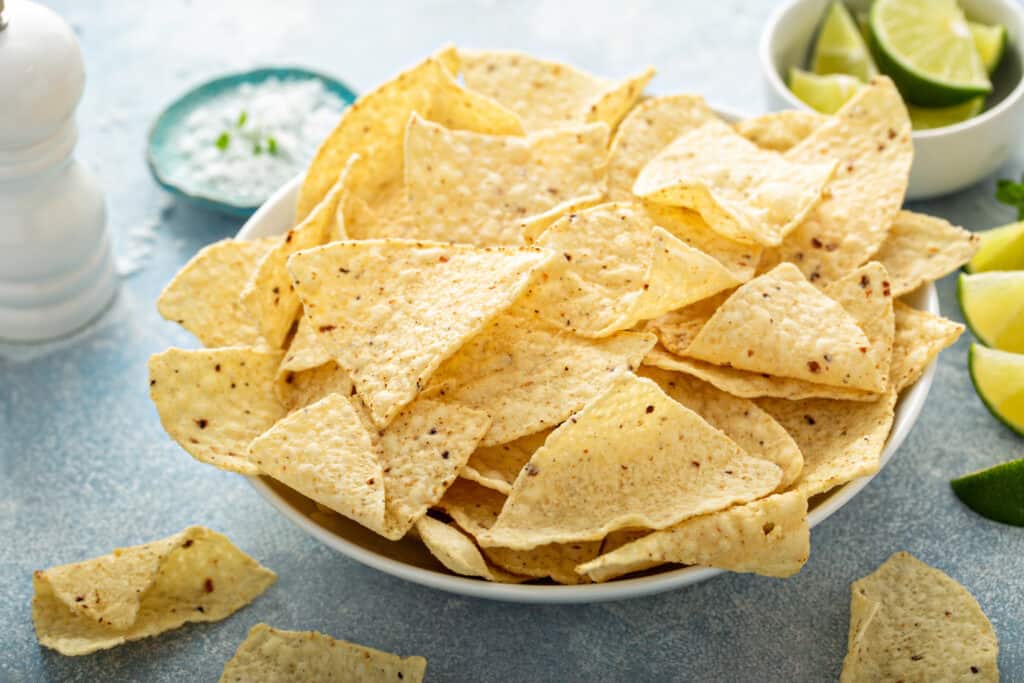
(1012, 193)
(223, 140)
(242, 119)
(272, 145)
(257, 148)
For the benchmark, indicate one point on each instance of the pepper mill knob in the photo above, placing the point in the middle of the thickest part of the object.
(56, 271)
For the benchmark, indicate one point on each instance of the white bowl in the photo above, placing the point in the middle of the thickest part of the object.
(945, 159)
(409, 560)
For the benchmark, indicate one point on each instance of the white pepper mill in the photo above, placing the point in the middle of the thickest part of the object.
(56, 270)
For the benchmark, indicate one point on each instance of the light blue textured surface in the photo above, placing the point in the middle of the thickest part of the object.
(86, 466)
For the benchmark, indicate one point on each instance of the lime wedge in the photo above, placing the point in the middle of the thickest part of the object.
(924, 118)
(1001, 249)
(927, 49)
(990, 42)
(840, 49)
(822, 93)
(996, 493)
(993, 306)
(998, 378)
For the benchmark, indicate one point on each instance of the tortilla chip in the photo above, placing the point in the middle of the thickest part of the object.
(911, 622)
(779, 324)
(920, 336)
(840, 440)
(529, 375)
(496, 467)
(549, 94)
(391, 311)
(214, 402)
(616, 269)
(458, 553)
(743, 192)
(299, 389)
(920, 248)
(865, 294)
(768, 537)
(780, 131)
(144, 590)
(475, 509)
(677, 329)
(753, 430)
(386, 480)
(324, 452)
(752, 384)
(595, 475)
(269, 294)
(270, 655)
(305, 351)
(738, 258)
(532, 227)
(649, 128)
(871, 137)
(204, 296)
(374, 128)
(482, 189)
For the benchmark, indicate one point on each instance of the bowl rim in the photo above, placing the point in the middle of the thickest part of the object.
(769, 36)
(908, 408)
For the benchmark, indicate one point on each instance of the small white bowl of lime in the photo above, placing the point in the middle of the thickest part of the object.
(968, 107)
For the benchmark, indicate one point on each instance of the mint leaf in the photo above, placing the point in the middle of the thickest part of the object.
(257, 148)
(223, 140)
(272, 145)
(1012, 193)
(242, 118)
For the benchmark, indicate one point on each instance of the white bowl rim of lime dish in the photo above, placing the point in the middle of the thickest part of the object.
(230, 143)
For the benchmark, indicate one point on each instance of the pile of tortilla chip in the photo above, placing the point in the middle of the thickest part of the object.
(554, 332)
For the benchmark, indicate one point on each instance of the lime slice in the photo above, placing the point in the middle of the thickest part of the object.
(1001, 249)
(993, 306)
(990, 42)
(927, 49)
(998, 378)
(840, 49)
(822, 93)
(996, 493)
(924, 118)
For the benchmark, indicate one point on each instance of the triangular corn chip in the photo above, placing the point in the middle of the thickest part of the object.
(204, 296)
(911, 622)
(391, 311)
(214, 402)
(270, 655)
(633, 457)
(457, 551)
(780, 131)
(483, 189)
(865, 294)
(269, 294)
(768, 537)
(549, 94)
(743, 192)
(779, 324)
(475, 509)
(753, 430)
(840, 440)
(374, 128)
(752, 384)
(647, 129)
(738, 258)
(920, 248)
(871, 137)
(616, 269)
(496, 467)
(324, 452)
(920, 336)
(307, 372)
(144, 590)
(384, 480)
(529, 375)
(677, 329)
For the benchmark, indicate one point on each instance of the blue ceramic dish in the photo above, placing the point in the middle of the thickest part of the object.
(161, 155)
